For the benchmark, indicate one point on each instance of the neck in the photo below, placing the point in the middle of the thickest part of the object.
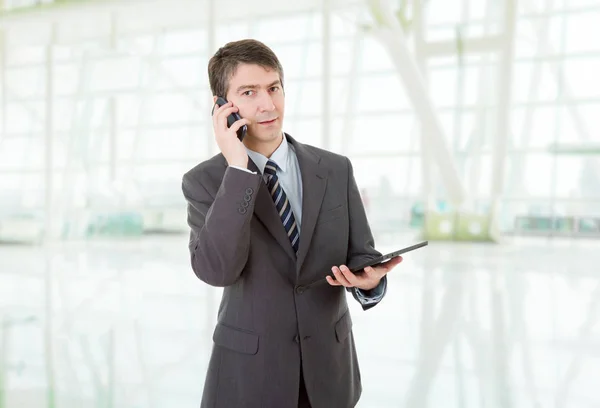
(264, 148)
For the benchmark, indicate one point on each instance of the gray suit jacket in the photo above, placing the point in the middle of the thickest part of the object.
(278, 314)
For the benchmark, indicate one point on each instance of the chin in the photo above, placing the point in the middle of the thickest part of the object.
(267, 136)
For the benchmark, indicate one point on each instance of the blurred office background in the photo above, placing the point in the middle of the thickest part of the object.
(472, 123)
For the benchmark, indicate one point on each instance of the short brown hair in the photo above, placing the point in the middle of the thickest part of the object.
(223, 64)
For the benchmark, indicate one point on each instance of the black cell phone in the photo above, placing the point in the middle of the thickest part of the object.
(231, 119)
(387, 257)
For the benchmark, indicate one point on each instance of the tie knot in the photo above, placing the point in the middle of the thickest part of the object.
(271, 168)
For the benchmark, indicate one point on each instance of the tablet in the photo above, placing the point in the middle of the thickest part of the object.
(387, 257)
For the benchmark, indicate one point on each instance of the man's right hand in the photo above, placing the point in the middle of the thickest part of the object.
(229, 144)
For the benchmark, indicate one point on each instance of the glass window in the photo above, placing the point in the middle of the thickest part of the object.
(375, 57)
(438, 12)
(534, 81)
(26, 82)
(176, 73)
(383, 132)
(183, 42)
(114, 74)
(169, 108)
(387, 175)
(537, 173)
(581, 77)
(291, 27)
(582, 31)
(534, 126)
(233, 31)
(381, 93)
(25, 54)
(300, 60)
(25, 117)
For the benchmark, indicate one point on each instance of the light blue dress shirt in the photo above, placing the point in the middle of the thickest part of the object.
(290, 178)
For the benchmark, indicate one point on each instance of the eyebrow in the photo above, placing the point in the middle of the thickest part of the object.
(243, 87)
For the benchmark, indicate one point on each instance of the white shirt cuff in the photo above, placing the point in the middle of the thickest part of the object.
(241, 168)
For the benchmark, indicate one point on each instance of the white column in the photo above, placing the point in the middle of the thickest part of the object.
(112, 106)
(326, 74)
(392, 37)
(48, 137)
(504, 103)
(3, 83)
(48, 224)
(347, 131)
(3, 361)
(426, 161)
(211, 48)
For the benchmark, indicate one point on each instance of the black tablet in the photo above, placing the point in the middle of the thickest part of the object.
(387, 257)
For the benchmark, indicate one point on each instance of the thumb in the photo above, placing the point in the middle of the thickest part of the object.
(371, 272)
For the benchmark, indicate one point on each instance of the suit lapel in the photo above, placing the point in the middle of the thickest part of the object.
(266, 212)
(314, 181)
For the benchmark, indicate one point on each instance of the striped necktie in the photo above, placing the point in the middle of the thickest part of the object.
(282, 204)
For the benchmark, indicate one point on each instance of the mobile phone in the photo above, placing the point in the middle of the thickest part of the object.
(387, 257)
(231, 119)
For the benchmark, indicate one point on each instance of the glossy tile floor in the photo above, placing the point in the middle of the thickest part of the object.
(463, 325)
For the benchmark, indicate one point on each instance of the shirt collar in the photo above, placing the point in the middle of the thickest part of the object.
(279, 156)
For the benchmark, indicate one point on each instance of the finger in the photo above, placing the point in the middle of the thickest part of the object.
(340, 277)
(373, 273)
(239, 123)
(215, 113)
(218, 115)
(332, 282)
(394, 261)
(222, 116)
(217, 109)
(350, 277)
(389, 265)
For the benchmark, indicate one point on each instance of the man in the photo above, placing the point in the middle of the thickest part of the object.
(271, 219)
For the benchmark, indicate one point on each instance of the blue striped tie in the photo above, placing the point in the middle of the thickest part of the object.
(282, 204)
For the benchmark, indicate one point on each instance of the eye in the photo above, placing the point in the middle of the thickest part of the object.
(274, 88)
(247, 93)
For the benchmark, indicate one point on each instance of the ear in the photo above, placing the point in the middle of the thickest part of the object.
(215, 99)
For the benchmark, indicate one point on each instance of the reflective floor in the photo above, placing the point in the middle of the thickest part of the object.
(126, 324)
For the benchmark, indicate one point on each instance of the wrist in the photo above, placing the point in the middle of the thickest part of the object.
(370, 287)
(239, 162)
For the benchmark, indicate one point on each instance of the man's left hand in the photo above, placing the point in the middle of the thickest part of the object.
(366, 280)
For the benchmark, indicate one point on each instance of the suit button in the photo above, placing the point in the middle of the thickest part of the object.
(242, 210)
(300, 289)
(245, 204)
(297, 339)
(247, 198)
(249, 191)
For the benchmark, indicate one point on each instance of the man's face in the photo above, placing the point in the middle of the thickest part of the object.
(257, 93)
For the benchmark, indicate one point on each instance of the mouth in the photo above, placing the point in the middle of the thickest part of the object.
(267, 122)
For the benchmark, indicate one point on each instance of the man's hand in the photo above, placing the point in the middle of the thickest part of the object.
(226, 137)
(367, 280)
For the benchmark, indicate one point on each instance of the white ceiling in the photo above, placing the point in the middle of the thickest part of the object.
(93, 18)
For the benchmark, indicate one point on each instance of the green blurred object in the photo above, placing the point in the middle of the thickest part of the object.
(589, 225)
(457, 226)
(577, 149)
(546, 224)
(417, 215)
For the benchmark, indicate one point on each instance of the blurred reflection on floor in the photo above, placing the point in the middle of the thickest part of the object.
(463, 325)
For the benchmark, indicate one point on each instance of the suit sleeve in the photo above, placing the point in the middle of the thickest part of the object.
(220, 226)
(361, 244)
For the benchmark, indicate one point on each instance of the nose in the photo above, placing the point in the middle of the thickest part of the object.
(265, 103)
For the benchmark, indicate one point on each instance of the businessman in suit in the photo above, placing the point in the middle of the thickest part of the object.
(277, 224)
